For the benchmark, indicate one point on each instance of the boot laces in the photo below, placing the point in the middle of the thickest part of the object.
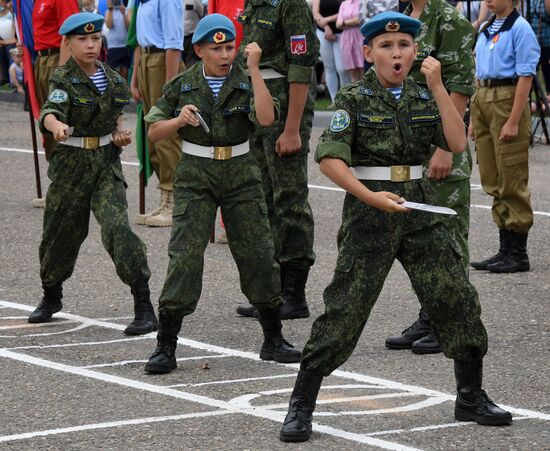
(486, 398)
(414, 326)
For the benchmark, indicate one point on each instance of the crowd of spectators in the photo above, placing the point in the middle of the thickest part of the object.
(337, 21)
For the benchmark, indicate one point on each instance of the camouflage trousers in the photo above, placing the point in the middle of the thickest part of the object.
(454, 192)
(285, 184)
(84, 180)
(369, 241)
(202, 185)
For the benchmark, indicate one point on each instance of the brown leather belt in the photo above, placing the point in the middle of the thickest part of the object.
(48, 52)
(494, 82)
(152, 49)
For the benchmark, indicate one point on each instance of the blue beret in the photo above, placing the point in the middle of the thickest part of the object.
(81, 23)
(388, 22)
(215, 28)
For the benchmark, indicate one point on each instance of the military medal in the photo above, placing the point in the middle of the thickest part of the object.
(493, 41)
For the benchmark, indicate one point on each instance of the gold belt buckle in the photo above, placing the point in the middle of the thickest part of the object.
(222, 153)
(91, 142)
(401, 173)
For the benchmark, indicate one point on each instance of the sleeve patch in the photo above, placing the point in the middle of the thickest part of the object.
(58, 96)
(298, 44)
(340, 121)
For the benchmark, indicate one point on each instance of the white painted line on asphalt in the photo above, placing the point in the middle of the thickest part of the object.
(116, 318)
(45, 334)
(320, 401)
(12, 317)
(321, 187)
(244, 401)
(33, 326)
(41, 152)
(84, 343)
(234, 381)
(254, 356)
(256, 412)
(129, 362)
(110, 424)
(432, 427)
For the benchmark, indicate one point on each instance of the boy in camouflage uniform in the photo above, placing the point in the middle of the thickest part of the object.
(285, 31)
(217, 169)
(449, 37)
(83, 114)
(383, 130)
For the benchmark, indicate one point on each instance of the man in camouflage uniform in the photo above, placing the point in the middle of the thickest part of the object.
(284, 30)
(86, 174)
(449, 37)
(381, 139)
(216, 170)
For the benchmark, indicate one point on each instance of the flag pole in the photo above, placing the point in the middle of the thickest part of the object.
(143, 166)
(34, 147)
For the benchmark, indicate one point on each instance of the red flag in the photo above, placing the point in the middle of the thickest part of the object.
(23, 13)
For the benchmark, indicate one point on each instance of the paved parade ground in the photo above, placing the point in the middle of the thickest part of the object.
(78, 383)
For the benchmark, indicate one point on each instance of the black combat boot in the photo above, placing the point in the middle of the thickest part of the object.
(472, 403)
(420, 328)
(428, 344)
(145, 320)
(163, 359)
(293, 292)
(293, 283)
(516, 260)
(50, 304)
(275, 347)
(504, 237)
(297, 424)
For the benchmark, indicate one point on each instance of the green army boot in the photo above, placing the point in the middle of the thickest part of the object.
(50, 304)
(504, 237)
(297, 424)
(145, 320)
(472, 403)
(275, 347)
(163, 359)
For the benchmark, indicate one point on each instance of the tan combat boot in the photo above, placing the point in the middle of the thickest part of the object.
(39, 202)
(140, 219)
(164, 218)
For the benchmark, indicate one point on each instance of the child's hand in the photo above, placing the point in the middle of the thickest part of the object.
(187, 116)
(388, 202)
(431, 68)
(471, 134)
(253, 54)
(508, 132)
(59, 131)
(122, 138)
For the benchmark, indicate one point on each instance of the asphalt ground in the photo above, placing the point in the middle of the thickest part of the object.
(78, 382)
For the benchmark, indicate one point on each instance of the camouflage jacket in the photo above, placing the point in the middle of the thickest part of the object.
(449, 37)
(372, 128)
(230, 117)
(76, 101)
(285, 32)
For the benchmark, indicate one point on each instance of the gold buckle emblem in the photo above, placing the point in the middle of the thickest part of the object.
(222, 153)
(91, 142)
(401, 173)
